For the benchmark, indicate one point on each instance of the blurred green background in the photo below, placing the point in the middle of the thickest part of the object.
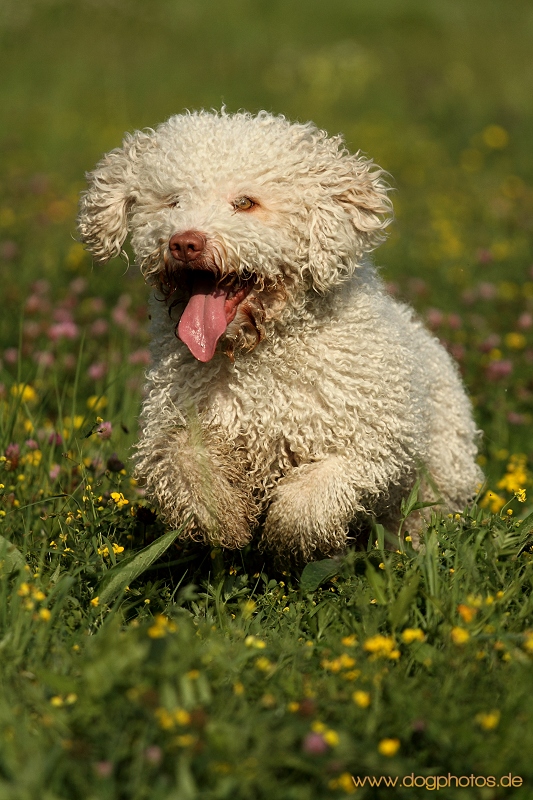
(413, 83)
(438, 92)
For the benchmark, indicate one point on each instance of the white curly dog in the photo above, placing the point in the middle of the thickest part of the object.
(289, 392)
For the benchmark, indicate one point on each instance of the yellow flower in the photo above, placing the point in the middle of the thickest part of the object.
(488, 721)
(528, 641)
(389, 747)
(352, 675)
(413, 635)
(268, 700)
(162, 625)
(293, 707)
(520, 495)
(165, 719)
(95, 601)
(44, 614)
(361, 699)
(349, 641)
(346, 661)
(56, 701)
(493, 501)
(381, 646)
(495, 137)
(119, 499)
(26, 393)
(467, 613)
(459, 635)
(516, 476)
(33, 458)
(394, 654)
(74, 422)
(346, 783)
(331, 737)
(238, 688)
(181, 716)
(253, 641)
(515, 341)
(24, 590)
(169, 719)
(96, 403)
(333, 666)
(248, 608)
(263, 664)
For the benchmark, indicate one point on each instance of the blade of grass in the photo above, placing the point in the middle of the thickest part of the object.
(120, 576)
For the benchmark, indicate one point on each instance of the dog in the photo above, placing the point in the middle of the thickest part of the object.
(290, 395)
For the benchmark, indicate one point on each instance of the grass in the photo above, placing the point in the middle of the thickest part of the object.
(134, 665)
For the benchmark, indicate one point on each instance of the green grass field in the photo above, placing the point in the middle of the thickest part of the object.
(134, 666)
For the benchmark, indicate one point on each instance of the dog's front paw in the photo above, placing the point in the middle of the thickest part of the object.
(198, 485)
(310, 511)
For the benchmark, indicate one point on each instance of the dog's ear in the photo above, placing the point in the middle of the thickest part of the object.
(348, 221)
(103, 215)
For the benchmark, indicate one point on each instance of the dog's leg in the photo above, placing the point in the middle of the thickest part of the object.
(198, 482)
(311, 508)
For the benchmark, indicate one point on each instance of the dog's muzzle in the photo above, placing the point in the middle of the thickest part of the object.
(213, 302)
(187, 246)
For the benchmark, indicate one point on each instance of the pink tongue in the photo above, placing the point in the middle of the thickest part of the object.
(204, 320)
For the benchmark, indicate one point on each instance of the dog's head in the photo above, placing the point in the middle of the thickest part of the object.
(232, 216)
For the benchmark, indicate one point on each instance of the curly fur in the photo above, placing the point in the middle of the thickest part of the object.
(324, 395)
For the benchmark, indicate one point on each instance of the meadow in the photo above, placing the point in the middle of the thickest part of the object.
(135, 666)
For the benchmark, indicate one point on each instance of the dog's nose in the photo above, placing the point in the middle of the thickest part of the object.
(187, 246)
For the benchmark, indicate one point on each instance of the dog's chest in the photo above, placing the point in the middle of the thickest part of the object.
(274, 413)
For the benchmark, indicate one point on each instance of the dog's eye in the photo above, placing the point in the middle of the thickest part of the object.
(173, 202)
(243, 204)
